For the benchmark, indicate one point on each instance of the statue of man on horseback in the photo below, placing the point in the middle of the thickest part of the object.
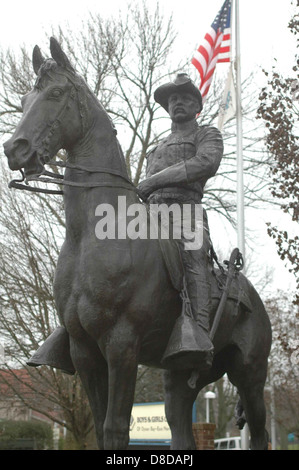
(110, 319)
(177, 171)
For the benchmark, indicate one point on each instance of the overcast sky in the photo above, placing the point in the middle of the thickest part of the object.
(263, 29)
(263, 23)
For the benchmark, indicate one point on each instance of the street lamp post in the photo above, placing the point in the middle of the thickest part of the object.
(209, 396)
(272, 410)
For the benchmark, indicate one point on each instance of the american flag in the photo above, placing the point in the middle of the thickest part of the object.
(216, 48)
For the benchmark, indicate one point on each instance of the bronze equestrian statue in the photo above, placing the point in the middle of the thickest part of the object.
(117, 299)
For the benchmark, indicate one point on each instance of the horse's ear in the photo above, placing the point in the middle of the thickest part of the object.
(58, 55)
(37, 59)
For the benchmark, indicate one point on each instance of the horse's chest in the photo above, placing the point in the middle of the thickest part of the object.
(90, 286)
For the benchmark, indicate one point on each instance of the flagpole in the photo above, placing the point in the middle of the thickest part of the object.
(240, 179)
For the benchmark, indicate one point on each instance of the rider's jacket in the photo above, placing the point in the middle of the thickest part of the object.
(188, 157)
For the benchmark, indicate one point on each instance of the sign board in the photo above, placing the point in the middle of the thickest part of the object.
(148, 422)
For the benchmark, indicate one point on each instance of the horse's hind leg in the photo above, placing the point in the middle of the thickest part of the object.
(250, 380)
(92, 369)
(179, 399)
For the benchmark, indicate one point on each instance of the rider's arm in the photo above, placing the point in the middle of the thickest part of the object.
(208, 156)
(204, 164)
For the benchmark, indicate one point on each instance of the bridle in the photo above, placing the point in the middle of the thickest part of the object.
(56, 178)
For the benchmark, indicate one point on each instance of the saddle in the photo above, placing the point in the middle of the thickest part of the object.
(217, 276)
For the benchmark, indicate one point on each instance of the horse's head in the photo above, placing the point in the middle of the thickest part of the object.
(52, 117)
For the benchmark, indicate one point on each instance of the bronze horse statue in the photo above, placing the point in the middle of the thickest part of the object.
(115, 298)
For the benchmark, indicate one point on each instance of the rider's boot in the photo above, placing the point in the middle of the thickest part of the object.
(199, 293)
(189, 346)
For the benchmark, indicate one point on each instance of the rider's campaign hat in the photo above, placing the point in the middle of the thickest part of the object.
(182, 83)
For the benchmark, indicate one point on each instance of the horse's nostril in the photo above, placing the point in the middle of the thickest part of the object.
(17, 151)
(21, 145)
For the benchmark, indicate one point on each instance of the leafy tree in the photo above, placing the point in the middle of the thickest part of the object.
(279, 109)
(40, 433)
(284, 361)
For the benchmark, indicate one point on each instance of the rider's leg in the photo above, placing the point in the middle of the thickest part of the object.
(198, 287)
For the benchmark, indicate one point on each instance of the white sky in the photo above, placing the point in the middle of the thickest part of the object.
(264, 33)
(263, 30)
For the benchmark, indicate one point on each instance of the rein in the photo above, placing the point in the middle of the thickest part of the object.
(58, 179)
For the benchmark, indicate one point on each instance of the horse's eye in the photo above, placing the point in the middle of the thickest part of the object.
(56, 93)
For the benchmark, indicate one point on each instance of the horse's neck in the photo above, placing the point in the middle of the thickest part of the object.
(98, 147)
(97, 150)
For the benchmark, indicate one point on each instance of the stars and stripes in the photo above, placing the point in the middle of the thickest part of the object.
(216, 48)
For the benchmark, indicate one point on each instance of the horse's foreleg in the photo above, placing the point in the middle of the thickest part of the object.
(92, 369)
(121, 353)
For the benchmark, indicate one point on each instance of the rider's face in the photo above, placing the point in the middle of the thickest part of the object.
(182, 107)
